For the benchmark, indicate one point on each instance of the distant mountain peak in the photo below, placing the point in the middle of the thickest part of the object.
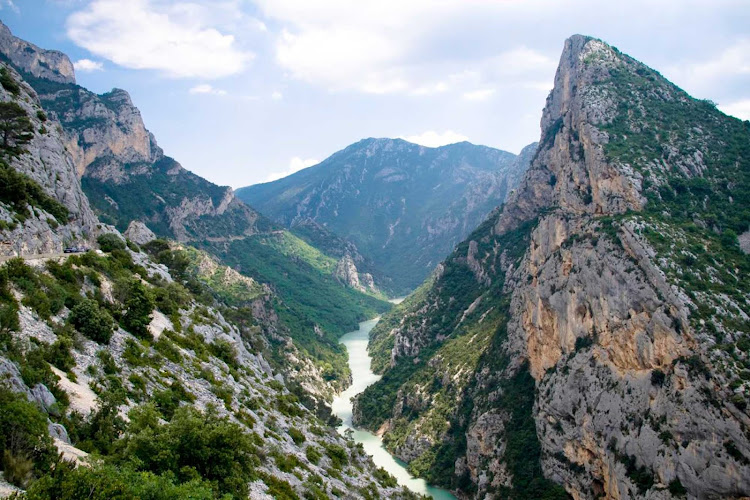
(403, 205)
(41, 63)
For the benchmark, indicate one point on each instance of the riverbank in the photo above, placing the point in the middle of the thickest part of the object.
(362, 376)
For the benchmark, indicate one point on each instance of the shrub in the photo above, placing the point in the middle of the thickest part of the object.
(170, 298)
(92, 321)
(139, 306)
(19, 190)
(337, 454)
(109, 242)
(7, 81)
(132, 245)
(192, 444)
(166, 348)
(313, 455)
(657, 377)
(9, 323)
(102, 430)
(23, 437)
(676, 488)
(15, 128)
(17, 469)
(107, 482)
(109, 366)
(225, 351)
(59, 354)
(168, 400)
(583, 343)
(297, 436)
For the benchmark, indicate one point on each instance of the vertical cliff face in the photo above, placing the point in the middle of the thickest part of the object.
(30, 228)
(594, 333)
(123, 171)
(127, 176)
(49, 64)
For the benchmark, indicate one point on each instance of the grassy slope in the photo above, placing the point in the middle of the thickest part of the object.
(301, 276)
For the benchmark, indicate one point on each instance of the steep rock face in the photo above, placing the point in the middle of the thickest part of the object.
(139, 233)
(347, 273)
(123, 171)
(404, 206)
(47, 163)
(610, 289)
(127, 176)
(49, 64)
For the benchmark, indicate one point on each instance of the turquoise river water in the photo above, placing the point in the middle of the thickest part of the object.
(362, 376)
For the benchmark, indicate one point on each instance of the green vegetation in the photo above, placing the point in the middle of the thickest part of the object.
(696, 167)
(393, 200)
(308, 295)
(138, 308)
(456, 349)
(92, 321)
(26, 450)
(109, 242)
(8, 83)
(16, 129)
(147, 197)
(18, 190)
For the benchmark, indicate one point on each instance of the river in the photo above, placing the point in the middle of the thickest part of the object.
(362, 376)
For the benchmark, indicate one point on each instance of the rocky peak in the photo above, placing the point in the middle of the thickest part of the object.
(612, 278)
(41, 63)
(106, 127)
(139, 233)
(571, 171)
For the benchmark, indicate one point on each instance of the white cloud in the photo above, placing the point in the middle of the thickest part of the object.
(277, 96)
(739, 109)
(172, 39)
(433, 139)
(390, 46)
(295, 165)
(205, 88)
(87, 65)
(478, 95)
(702, 77)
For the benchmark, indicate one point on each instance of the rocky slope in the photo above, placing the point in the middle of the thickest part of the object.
(196, 366)
(592, 335)
(27, 226)
(404, 206)
(124, 172)
(200, 374)
(132, 184)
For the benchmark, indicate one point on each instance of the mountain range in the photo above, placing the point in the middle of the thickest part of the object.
(590, 338)
(579, 327)
(402, 205)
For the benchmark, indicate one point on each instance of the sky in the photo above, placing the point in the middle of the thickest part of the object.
(242, 91)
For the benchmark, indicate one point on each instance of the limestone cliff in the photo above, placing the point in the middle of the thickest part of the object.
(594, 333)
(50, 64)
(124, 173)
(30, 229)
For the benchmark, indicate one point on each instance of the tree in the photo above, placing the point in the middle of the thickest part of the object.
(139, 306)
(15, 127)
(109, 242)
(92, 321)
(23, 437)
